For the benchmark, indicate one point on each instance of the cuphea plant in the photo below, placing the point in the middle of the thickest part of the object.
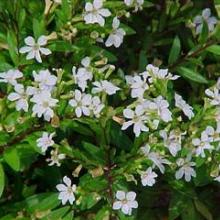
(109, 109)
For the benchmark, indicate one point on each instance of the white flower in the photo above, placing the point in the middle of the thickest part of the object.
(157, 73)
(148, 177)
(83, 74)
(213, 134)
(138, 86)
(45, 79)
(163, 111)
(55, 158)
(34, 49)
(186, 169)
(125, 201)
(11, 76)
(81, 103)
(116, 36)
(67, 191)
(206, 16)
(43, 105)
(186, 108)
(137, 118)
(96, 106)
(214, 95)
(45, 141)
(157, 159)
(20, 96)
(172, 142)
(202, 144)
(105, 86)
(135, 3)
(94, 13)
(217, 179)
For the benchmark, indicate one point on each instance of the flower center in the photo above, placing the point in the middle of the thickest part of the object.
(45, 104)
(36, 47)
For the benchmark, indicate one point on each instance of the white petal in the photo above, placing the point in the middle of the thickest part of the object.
(131, 196)
(120, 195)
(117, 205)
(25, 49)
(30, 41)
(42, 40)
(61, 187)
(67, 180)
(45, 51)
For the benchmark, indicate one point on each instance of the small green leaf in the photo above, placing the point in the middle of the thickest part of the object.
(57, 214)
(205, 33)
(12, 47)
(191, 75)
(38, 27)
(11, 157)
(175, 50)
(203, 210)
(2, 179)
(215, 49)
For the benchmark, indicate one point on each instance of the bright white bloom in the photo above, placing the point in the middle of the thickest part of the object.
(135, 3)
(11, 76)
(138, 86)
(172, 141)
(185, 169)
(83, 74)
(214, 95)
(45, 141)
(96, 106)
(213, 134)
(217, 179)
(45, 79)
(94, 13)
(55, 158)
(20, 96)
(157, 159)
(125, 201)
(137, 118)
(35, 49)
(157, 73)
(67, 191)
(43, 105)
(202, 144)
(81, 103)
(105, 86)
(186, 108)
(206, 16)
(162, 108)
(116, 36)
(148, 177)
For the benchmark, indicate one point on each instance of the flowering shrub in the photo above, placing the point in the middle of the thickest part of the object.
(109, 109)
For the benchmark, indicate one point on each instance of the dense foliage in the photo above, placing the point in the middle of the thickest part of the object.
(109, 109)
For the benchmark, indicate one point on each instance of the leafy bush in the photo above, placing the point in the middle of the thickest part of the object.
(109, 109)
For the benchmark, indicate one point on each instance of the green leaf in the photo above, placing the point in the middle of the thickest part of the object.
(57, 214)
(175, 50)
(191, 75)
(38, 27)
(205, 33)
(42, 202)
(12, 158)
(2, 179)
(203, 210)
(215, 49)
(12, 47)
